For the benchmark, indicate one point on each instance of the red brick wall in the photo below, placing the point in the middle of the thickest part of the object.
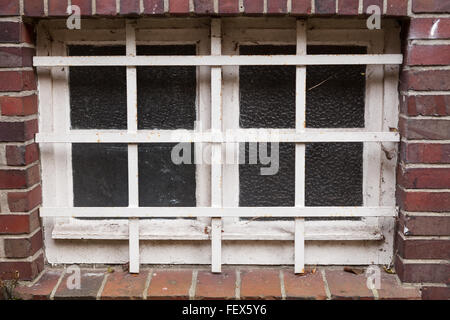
(423, 177)
(422, 245)
(20, 190)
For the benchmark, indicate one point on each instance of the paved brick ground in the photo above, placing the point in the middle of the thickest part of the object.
(200, 283)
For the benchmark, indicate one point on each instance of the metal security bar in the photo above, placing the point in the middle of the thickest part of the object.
(216, 137)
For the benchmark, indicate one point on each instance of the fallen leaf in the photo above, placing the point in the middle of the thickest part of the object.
(354, 270)
(388, 270)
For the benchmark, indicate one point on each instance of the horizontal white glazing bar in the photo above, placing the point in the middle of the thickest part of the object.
(237, 60)
(258, 135)
(148, 212)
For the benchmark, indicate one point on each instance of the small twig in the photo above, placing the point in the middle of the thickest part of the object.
(320, 83)
(252, 219)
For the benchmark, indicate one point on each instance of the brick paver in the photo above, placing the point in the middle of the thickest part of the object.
(123, 285)
(309, 286)
(170, 284)
(390, 289)
(346, 285)
(91, 281)
(216, 285)
(42, 289)
(255, 283)
(260, 284)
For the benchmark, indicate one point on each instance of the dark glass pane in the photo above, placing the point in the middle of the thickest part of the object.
(333, 174)
(267, 93)
(100, 175)
(163, 183)
(166, 95)
(335, 94)
(335, 99)
(98, 98)
(256, 190)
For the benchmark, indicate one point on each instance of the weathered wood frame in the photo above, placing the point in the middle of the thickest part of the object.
(300, 136)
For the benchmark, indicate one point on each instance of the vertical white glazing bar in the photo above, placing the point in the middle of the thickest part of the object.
(216, 148)
(133, 191)
(300, 124)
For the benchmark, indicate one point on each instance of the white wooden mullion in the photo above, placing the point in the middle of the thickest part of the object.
(300, 124)
(216, 148)
(61, 125)
(219, 60)
(133, 186)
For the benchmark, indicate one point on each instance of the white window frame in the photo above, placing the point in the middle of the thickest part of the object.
(378, 184)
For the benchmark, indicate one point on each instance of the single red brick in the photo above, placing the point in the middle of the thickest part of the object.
(216, 286)
(42, 289)
(90, 283)
(179, 6)
(19, 224)
(17, 131)
(228, 7)
(425, 152)
(17, 81)
(106, 7)
(368, 3)
(413, 225)
(85, 6)
(203, 6)
(348, 7)
(173, 284)
(21, 155)
(18, 179)
(129, 7)
(14, 224)
(9, 7)
(301, 7)
(429, 28)
(123, 285)
(345, 285)
(325, 6)
(27, 270)
(254, 6)
(12, 179)
(35, 221)
(260, 284)
(153, 6)
(33, 8)
(15, 32)
(18, 106)
(397, 8)
(424, 55)
(426, 105)
(412, 272)
(392, 289)
(10, 32)
(438, 80)
(23, 247)
(430, 6)
(433, 129)
(309, 286)
(24, 201)
(436, 293)
(423, 201)
(276, 6)
(57, 7)
(11, 57)
(424, 178)
(422, 249)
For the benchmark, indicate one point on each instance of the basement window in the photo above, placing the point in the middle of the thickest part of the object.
(107, 137)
